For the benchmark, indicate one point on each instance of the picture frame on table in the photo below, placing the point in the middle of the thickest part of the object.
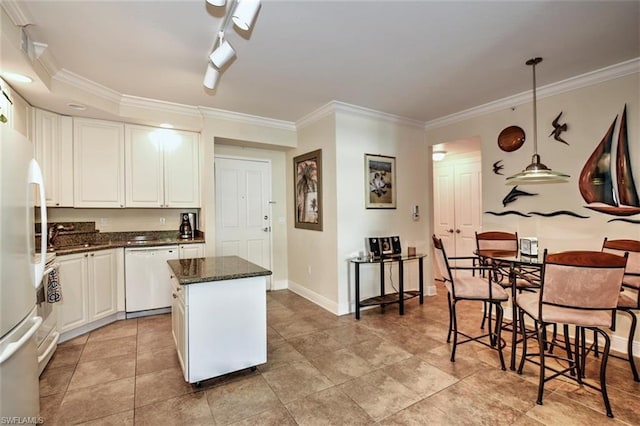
(380, 181)
(307, 190)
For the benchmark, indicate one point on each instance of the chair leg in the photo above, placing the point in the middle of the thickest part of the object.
(484, 314)
(603, 371)
(567, 345)
(542, 332)
(632, 332)
(524, 343)
(455, 331)
(499, 316)
(450, 318)
(583, 352)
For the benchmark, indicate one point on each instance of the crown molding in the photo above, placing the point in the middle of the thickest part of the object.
(86, 85)
(612, 72)
(15, 13)
(337, 106)
(222, 114)
(129, 101)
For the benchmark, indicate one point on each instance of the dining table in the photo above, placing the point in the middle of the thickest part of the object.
(517, 266)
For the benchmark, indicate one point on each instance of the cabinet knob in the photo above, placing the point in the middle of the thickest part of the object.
(91, 254)
(174, 295)
(450, 231)
(86, 255)
(57, 204)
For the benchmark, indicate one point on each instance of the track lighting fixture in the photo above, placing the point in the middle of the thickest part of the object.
(242, 13)
(222, 54)
(245, 13)
(211, 77)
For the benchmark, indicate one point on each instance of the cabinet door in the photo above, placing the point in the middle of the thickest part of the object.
(181, 169)
(191, 251)
(98, 163)
(144, 169)
(53, 139)
(102, 273)
(178, 327)
(72, 310)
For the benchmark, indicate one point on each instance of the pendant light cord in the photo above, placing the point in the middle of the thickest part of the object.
(535, 112)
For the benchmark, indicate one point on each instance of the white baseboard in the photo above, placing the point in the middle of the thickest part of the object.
(68, 335)
(314, 297)
(279, 285)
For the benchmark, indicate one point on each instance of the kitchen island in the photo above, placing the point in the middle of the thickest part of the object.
(218, 315)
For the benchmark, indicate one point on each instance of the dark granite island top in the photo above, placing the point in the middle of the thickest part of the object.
(219, 268)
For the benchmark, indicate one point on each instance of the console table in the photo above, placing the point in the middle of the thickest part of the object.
(389, 298)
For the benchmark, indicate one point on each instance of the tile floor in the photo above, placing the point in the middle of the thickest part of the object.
(322, 369)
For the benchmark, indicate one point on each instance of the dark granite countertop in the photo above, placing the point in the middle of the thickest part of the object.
(219, 268)
(126, 242)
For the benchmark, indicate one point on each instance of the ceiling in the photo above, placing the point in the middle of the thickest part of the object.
(421, 60)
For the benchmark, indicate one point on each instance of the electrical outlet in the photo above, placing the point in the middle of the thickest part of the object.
(163, 221)
(103, 221)
(309, 269)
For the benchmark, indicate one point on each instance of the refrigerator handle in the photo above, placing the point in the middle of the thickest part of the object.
(35, 176)
(13, 347)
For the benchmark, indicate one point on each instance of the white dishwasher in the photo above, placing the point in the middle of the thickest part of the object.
(148, 279)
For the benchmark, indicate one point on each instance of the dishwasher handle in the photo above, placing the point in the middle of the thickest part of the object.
(169, 249)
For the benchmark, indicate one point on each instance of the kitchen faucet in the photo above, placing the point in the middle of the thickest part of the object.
(54, 231)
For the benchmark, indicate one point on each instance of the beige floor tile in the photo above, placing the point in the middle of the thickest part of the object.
(420, 376)
(80, 340)
(328, 407)
(297, 380)
(379, 395)
(342, 365)
(122, 328)
(273, 337)
(160, 385)
(241, 399)
(124, 418)
(65, 356)
(557, 409)
(99, 401)
(421, 413)
(276, 417)
(154, 323)
(109, 348)
(379, 352)
(91, 373)
(190, 409)
(280, 356)
(295, 327)
(350, 333)
(315, 344)
(55, 380)
(49, 407)
(148, 361)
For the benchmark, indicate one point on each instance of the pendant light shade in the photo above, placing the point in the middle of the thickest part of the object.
(536, 172)
(245, 13)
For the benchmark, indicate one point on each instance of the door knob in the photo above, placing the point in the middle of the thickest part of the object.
(265, 229)
(457, 231)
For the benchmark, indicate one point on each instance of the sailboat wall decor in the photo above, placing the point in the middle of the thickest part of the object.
(596, 184)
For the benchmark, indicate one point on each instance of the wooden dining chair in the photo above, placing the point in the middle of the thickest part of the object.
(579, 289)
(470, 288)
(628, 300)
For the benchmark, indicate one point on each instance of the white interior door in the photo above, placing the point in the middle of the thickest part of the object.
(243, 211)
(457, 199)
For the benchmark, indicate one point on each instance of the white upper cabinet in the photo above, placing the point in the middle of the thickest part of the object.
(98, 163)
(161, 167)
(53, 140)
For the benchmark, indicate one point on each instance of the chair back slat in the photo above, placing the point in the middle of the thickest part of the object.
(619, 247)
(497, 240)
(441, 259)
(582, 279)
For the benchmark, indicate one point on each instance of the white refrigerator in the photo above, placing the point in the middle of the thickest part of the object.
(20, 273)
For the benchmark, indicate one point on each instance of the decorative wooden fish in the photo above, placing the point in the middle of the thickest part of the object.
(513, 195)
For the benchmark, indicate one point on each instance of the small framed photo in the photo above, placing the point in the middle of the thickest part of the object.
(307, 187)
(380, 181)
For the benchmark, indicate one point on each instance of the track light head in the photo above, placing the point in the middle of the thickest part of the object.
(223, 54)
(211, 77)
(216, 2)
(245, 13)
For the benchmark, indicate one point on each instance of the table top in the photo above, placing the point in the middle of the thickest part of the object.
(397, 258)
(510, 256)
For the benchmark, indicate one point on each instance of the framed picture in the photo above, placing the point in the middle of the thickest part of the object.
(380, 181)
(307, 187)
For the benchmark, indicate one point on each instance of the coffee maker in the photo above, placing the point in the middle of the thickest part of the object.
(188, 225)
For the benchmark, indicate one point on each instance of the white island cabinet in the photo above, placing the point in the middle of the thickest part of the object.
(219, 315)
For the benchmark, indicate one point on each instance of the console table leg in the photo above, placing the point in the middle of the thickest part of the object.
(357, 266)
(401, 277)
(421, 280)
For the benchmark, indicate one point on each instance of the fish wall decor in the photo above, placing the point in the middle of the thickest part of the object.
(514, 194)
(558, 129)
(497, 167)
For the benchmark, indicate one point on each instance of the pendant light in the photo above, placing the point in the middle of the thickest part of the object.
(536, 172)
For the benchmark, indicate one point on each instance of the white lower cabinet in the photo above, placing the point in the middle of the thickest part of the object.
(91, 283)
(220, 326)
(191, 251)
